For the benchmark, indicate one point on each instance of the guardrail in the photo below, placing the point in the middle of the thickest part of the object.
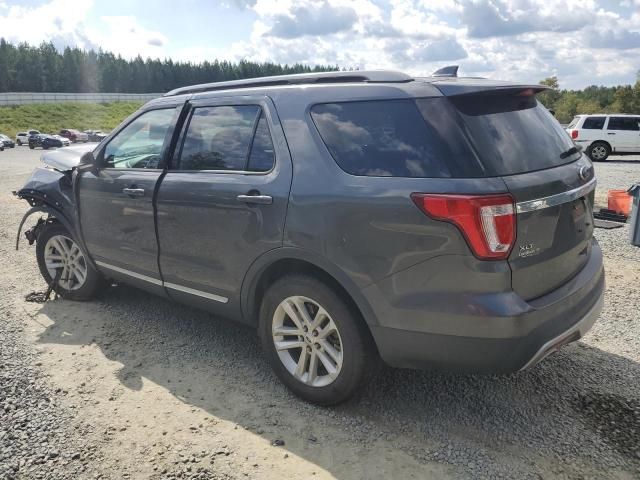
(22, 98)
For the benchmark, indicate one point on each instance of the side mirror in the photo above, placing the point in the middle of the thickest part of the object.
(87, 162)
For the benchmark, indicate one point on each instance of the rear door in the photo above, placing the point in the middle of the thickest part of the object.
(624, 133)
(116, 201)
(223, 201)
(552, 185)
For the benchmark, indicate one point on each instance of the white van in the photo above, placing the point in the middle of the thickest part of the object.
(602, 135)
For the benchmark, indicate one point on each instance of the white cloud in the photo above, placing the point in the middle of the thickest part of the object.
(63, 22)
(583, 41)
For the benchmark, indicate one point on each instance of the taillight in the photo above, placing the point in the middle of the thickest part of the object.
(488, 222)
(574, 134)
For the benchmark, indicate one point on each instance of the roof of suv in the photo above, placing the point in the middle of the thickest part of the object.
(607, 115)
(447, 83)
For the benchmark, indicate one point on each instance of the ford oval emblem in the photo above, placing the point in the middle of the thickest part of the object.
(583, 173)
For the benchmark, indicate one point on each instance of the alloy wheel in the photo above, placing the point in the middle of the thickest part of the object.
(598, 152)
(307, 341)
(62, 253)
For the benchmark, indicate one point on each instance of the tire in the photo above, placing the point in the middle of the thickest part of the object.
(599, 151)
(31, 147)
(348, 340)
(69, 286)
(19, 143)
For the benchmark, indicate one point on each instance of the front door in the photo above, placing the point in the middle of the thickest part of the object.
(116, 200)
(223, 200)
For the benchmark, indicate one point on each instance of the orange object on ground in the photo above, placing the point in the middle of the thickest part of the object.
(619, 201)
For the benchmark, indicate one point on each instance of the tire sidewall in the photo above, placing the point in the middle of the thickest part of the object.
(91, 284)
(353, 364)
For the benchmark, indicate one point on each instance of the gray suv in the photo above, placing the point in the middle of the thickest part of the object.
(348, 216)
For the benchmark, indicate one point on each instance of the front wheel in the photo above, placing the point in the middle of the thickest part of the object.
(316, 344)
(59, 256)
(19, 143)
(598, 151)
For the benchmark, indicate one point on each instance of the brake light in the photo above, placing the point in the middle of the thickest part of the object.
(488, 222)
(574, 134)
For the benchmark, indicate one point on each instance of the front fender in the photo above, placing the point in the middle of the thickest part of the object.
(51, 192)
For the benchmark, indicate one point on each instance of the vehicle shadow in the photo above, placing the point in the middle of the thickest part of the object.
(551, 411)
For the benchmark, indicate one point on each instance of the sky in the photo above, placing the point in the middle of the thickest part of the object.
(582, 42)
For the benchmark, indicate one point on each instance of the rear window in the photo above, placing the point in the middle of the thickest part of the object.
(574, 122)
(593, 123)
(466, 136)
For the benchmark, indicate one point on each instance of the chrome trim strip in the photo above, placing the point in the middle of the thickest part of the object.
(199, 293)
(139, 276)
(558, 199)
(582, 327)
(155, 281)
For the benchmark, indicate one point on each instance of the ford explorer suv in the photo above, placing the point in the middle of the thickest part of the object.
(350, 217)
(603, 135)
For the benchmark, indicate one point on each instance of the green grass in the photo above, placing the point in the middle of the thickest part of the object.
(52, 117)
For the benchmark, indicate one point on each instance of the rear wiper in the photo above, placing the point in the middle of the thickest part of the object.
(572, 151)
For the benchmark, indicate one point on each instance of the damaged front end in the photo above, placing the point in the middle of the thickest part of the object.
(49, 191)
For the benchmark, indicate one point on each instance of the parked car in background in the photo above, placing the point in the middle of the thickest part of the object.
(74, 136)
(601, 135)
(429, 222)
(6, 141)
(45, 141)
(65, 141)
(95, 135)
(22, 138)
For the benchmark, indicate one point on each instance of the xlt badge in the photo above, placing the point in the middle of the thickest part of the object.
(528, 249)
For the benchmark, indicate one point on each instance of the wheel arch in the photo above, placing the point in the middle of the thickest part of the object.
(280, 262)
(601, 141)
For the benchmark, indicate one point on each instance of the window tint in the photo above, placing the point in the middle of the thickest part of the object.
(218, 138)
(624, 123)
(139, 144)
(261, 157)
(593, 123)
(392, 138)
(513, 134)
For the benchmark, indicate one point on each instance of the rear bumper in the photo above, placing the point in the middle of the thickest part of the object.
(492, 333)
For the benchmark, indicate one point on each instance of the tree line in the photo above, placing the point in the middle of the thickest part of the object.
(26, 68)
(593, 99)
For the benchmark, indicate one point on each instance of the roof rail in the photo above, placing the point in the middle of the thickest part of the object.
(448, 71)
(363, 76)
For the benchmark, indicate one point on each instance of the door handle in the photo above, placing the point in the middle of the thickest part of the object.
(133, 192)
(257, 199)
(610, 133)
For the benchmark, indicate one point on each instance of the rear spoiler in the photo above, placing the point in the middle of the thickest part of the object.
(450, 87)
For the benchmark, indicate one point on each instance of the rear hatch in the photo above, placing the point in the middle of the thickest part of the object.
(517, 139)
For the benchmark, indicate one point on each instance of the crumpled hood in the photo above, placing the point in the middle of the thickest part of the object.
(65, 159)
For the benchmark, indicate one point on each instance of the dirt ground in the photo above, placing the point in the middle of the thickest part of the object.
(159, 390)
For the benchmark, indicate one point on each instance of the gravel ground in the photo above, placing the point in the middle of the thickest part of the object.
(144, 388)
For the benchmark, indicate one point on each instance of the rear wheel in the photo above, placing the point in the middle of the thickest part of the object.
(598, 151)
(19, 143)
(60, 256)
(315, 343)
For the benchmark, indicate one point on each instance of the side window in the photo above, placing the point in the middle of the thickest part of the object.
(593, 123)
(623, 123)
(393, 138)
(219, 138)
(261, 158)
(139, 144)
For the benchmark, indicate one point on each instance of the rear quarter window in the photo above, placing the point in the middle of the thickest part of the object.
(594, 123)
(391, 138)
